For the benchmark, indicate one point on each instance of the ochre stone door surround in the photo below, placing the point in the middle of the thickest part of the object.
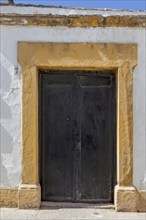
(83, 56)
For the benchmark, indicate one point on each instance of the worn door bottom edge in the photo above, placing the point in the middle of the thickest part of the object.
(54, 205)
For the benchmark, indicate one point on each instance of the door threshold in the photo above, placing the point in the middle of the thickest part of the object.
(50, 205)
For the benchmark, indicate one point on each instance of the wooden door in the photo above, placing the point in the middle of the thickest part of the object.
(77, 135)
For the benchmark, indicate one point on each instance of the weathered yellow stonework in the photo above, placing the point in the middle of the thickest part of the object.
(141, 200)
(125, 199)
(9, 197)
(29, 196)
(73, 20)
(91, 56)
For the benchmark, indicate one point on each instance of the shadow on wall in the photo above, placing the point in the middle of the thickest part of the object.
(6, 146)
(5, 111)
(5, 79)
(4, 174)
(6, 140)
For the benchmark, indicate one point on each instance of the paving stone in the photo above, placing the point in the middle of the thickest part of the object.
(68, 214)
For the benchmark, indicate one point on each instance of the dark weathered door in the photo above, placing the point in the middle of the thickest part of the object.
(77, 135)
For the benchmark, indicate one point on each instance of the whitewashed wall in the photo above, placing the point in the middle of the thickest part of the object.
(10, 91)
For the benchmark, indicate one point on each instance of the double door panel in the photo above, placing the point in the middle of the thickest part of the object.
(77, 135)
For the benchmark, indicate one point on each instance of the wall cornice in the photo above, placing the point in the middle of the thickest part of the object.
(73, 20)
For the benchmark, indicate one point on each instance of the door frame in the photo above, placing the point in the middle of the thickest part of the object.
(83, 56)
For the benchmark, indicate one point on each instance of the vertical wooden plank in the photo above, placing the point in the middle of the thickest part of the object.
(57, 124)
(97, 134)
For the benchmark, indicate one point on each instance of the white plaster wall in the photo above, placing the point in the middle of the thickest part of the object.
(11, 89)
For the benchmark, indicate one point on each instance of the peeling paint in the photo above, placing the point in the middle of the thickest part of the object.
(10, 128)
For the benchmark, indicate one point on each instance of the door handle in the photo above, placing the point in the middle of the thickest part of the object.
(78, 146)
